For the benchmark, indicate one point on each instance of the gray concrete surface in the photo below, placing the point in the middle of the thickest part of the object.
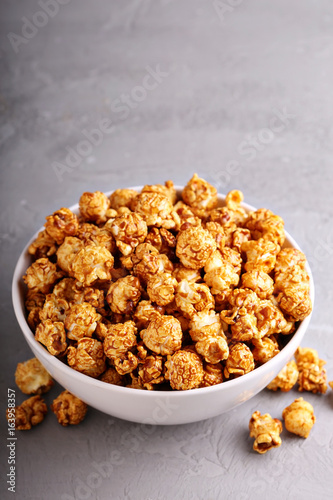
(242, 95)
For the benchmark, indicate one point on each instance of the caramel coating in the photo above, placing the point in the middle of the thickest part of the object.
(122, 198)
(285, 379)
(260, 254)
(111, 376)
(151, 371)
(124, 294)
(312, 377)
(92, 263)
(88, 357)
(162, 239)
(266, 432)
(94, 206)
(154, 208)
(191, 298)
(299, 417)
(145, 312)
(31, 412)
(120, 339)
(67, 252)
(258, 281)
(218, 233)
(81, 321)
(43, 246)
(206, 331)
(194, 247)
(60, 224)
(163, 335)
(34, 299)
(54, 308)
(239, 361)
(147, 262)
(32, 378)
(199, 194)
(129, 230)
(90, 234)
(69, 409)
(183, 273)
(184, 370)
(167, 190)
(265, 349)
(306, 355)
(161, 288)
(213, 374)
(52, 335)
(42, 275)
(263, 224)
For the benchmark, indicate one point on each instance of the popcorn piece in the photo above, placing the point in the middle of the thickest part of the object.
(154, 208)
(213, 349)
(213, 374)
(238, 237)
(88, 357)
(42, 275)
(265, 349)
(67, 252)
(266, 432)
(52, 335)
(288, 258)
(222, 271)
(145, 312)
(163, 335)
(34, 299)
(69, 409)
(263, 224)
(239, 361)
(286, 378)
(306, 355)
(124, 294)
(60, 224)
(163, 240)
(184, 370)
(126, 363)
(122, 198)
(34, 318)
(270, 319)
(244, 327)
(206, 331)
(32, 378)
(312, 376)
(199, 195)
(81, 321)
(260, 254)
(111, 376)
(129, 230)
(167, 190)
(94, 207)
(299, 417)
(184, 217)
(147, 262)
(90, 234)
(54, 308)
(295, 302)
(258, 281)
(31, 412)
(120, 339)
(194, 247)
(92, 263)
(151, 371)
(43, 246)
(191, 298)
(161, 288)
(184, 273)
(218, 233)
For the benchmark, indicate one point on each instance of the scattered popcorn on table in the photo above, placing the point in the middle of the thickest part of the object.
(266, 432)
(155, 289)
(312, 376)
(29, 413)
(69, 409)
(299, 417)
(32, 378)
(286, 378)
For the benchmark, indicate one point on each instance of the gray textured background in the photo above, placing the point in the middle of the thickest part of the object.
(229, 71)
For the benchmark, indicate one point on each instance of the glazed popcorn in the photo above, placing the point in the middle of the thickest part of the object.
(69, 409)
(31, 412)
(32, 378)
(286, 378)
(312, 376)
(266, 432)
(158, 289)
(299, 417)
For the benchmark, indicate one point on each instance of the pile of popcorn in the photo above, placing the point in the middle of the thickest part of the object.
(159, 290)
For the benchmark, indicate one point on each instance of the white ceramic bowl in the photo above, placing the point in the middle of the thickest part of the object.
(154, 407)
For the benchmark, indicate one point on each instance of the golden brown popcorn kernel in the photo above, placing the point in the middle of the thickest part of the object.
(34, 299)
(163, 240)
(151, 371)
(124, 295)
(244, 327)
(69, 409)
(88, 357)
(218, 233)
(121, 338)
(213, 374)
(122, 198)
(129, 230)
(126, 363)
(213, 348)
(263, 224)
(260, 254)
(92, 263)
(155, 209)
(265, 349)
(54, 308)
(111, 376)
(239, 361)
(147, 262)
(238, 237)
(194, 247)
(43, 246)
(184, 273)
(270, 319)
(184, 370)
(299, 417)
(32, 378)
(295, 302)
(31, 412)
(258, 281)
(313, 378)
(161, 288)
(34, 318)
(184, 217)
(163, 335)
(60, 224)
(285, 379)
(94, 206)
(90, 234)
(266, 432)
(67, 252)
(81, 321)
(42, 275)
(305, 355)
(52, 335)
(191, 298)
(167, 190)
(288, 258)
(199, 194)
(145, 311)
(205, 324)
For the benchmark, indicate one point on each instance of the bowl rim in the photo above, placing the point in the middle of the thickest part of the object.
(18, 305)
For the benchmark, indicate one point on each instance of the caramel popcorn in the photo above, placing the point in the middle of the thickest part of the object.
(299, 417)
(312, 376)
(69, 409)
(266, 432)
(94, 207)
(61, 224)
(163, 335)
(32, 378)
(31, 412)
(184, 370)
(285, 379)
(88, 357)
(141, 283)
